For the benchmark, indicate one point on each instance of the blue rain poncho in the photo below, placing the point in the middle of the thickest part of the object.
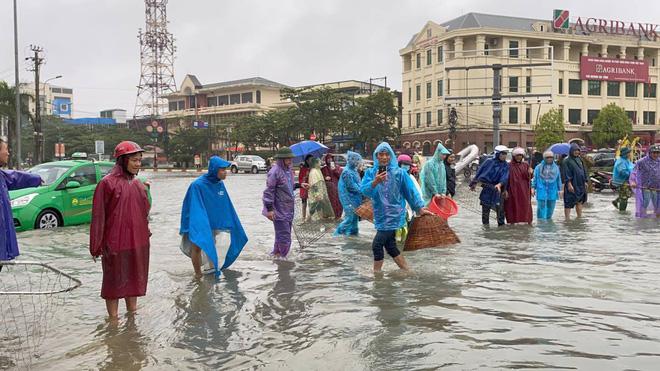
(491, 173)
(207, 209)
(547, 181)
(434, 176)
(349, 183)
(623, 167)
(389, 197)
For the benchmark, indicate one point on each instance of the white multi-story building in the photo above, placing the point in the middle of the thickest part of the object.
(577, 66)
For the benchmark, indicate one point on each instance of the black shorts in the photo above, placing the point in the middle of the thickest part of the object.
(387, 240)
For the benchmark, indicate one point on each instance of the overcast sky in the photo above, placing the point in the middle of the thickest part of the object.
(94, 45)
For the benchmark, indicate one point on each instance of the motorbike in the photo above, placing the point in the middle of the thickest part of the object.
(601, 180)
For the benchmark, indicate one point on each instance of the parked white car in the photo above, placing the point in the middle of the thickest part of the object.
(249, 164)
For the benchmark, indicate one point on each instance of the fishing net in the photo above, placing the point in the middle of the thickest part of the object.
(30, 294)
(469, 200)
(310, 230)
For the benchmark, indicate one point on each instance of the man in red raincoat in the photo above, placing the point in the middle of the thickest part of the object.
(518, 196)
(120, 231)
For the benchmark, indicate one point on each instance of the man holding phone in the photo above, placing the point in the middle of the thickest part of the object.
(389, 188)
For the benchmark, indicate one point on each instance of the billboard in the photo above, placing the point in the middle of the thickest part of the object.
(608, 69)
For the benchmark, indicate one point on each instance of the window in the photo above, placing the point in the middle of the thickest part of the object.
(193, 101)
(173, 106)
(409, 95)
(440, 117)
(649, 118)
(528, 115)
(211, 101)
(574, 116)
(418, 92)
(440, 92)
(650, 90)
(258, 96)
(513, 115)
(440, 52)
(632, 116)
(429, 57)
(613, 89)
(486, 47)
(593, 87)
(105, 169)
(409, 119)
(428, 118)
(418, 119)
(528, 84)
(419, 60)
(513, 144)
(246, 97)
(223, 100)
(85, 175)
(574, 86)
(631, 89)
(67, 91)
(182, 105)
(513, 49)
(513, 84)
(235, 99)
(429, 89)
(561, 86)
(448, 87)
(591, 115)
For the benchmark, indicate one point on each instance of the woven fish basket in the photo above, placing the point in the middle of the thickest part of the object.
(365, 211)
(429, 231)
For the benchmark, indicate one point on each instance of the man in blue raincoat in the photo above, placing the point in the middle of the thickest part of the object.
(207, 211)
(623, 167)
(389, 188)
(10, 180)
(350, 195)
(493, 175)
(574, 177)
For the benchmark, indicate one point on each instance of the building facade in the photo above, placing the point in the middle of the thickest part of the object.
(53, 100)
(577, 67)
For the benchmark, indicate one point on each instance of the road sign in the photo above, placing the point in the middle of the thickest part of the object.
(100, 147)
(200, 124)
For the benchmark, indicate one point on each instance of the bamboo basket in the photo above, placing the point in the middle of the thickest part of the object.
(429, 231)
(365, 211)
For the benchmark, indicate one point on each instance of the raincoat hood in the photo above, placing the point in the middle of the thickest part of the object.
(440, 150)
(216, 163)
(353, 160)
(574, 147)
(385, 147)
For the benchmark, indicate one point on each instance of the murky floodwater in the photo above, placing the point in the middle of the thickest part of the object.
(582, 295)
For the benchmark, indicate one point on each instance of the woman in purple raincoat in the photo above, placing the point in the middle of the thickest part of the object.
(645, 181)
(279, 200)
(10, 180)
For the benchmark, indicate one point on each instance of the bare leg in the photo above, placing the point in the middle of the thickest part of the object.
(401, 262)
(567, 214)
(196, 257)
(578, 209)
(112, 305)
(378, 265)
(131, 304)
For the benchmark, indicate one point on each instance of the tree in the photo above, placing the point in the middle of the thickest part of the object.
(610, 125)
(186, 142)
(550, 129)
(8, 109)
(372, 119)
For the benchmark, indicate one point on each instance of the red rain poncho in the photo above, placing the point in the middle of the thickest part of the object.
(518, 204)
(120, 234)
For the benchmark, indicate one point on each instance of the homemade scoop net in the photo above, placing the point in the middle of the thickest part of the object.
(469, 200)
(309, 230)
(30, 294)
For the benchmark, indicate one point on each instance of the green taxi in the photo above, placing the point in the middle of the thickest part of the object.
(65, 198)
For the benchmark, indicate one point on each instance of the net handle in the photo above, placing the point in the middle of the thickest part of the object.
(77, 282)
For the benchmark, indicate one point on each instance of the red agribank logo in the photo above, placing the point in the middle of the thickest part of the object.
(560, 20)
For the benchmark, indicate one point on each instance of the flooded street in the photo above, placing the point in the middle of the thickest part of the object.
(576, 295)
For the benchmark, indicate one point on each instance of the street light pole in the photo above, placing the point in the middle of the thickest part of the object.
(17, 92)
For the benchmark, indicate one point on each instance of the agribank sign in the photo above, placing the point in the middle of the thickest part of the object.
(607, 26)
(607, 69)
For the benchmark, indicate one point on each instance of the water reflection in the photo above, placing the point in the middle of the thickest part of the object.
(125, 345)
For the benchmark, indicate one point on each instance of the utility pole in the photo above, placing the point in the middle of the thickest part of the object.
(372, 79)
(17, 131)
(37, 61)
(497, 103)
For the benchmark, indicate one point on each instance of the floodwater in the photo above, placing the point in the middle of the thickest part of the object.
(576, 295)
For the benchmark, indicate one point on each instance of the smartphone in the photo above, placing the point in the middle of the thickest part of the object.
(382, 169)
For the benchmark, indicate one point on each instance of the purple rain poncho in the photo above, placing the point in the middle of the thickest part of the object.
(645, 180)
(9, 181)
(279, 198)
